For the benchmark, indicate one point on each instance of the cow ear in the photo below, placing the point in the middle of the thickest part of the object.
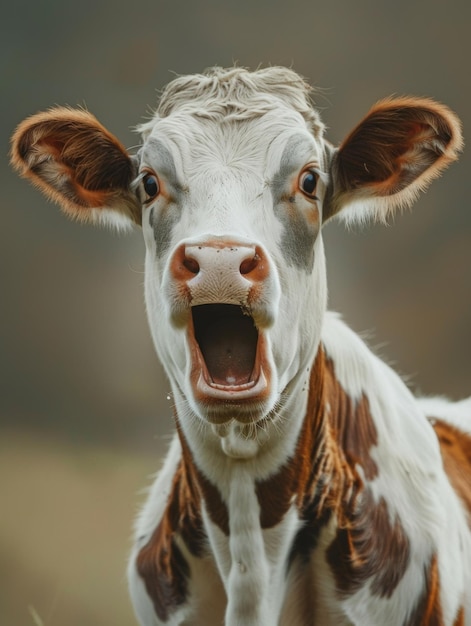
(395, 152)
(77, 163)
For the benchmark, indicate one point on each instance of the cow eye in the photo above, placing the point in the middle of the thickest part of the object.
(308, 183)
(150, 184)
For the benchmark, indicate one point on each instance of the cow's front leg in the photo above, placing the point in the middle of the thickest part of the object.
(254, 577)
(247, 584)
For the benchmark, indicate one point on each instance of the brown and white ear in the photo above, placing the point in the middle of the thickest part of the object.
(392, 155)
(77, 163)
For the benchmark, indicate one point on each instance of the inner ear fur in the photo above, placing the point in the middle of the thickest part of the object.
(76, 162)
(396, 151)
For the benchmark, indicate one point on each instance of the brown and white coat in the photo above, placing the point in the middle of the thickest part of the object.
(305, 485)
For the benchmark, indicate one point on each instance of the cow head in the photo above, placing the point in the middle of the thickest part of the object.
(232, 185)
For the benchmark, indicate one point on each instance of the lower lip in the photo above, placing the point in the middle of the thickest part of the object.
(238, 393)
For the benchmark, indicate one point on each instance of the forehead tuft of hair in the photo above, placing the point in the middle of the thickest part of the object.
(237, 94)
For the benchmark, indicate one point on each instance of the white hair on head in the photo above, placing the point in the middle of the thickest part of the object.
(237, 94)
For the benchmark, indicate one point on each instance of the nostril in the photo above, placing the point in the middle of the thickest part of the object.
(191, 265)
(248, 265)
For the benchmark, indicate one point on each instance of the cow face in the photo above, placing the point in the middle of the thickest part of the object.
(232, 185)
(235, 281)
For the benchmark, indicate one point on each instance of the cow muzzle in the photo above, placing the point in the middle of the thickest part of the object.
(225, 294)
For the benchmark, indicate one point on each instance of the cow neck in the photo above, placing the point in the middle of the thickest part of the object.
(336, 434)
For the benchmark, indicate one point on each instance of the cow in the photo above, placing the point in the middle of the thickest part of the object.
(305, 484)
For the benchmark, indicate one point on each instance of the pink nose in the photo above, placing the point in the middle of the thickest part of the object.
(219, 271)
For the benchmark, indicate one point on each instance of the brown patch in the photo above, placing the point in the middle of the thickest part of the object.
(276, 493)
(301, 475)
(336, 438)
(215, 506)
(76, 162)
(355, 431)
(367, 546)
(322, 474)
(455, 446)
(346, 429)
(428, 611)
(160, 563)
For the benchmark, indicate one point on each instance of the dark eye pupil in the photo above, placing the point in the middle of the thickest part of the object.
(151, 185)
(308, 183)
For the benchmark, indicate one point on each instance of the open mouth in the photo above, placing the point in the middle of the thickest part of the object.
(228, 356)
(227, 339)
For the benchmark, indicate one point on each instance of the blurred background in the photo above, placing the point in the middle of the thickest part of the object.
(84, 412)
